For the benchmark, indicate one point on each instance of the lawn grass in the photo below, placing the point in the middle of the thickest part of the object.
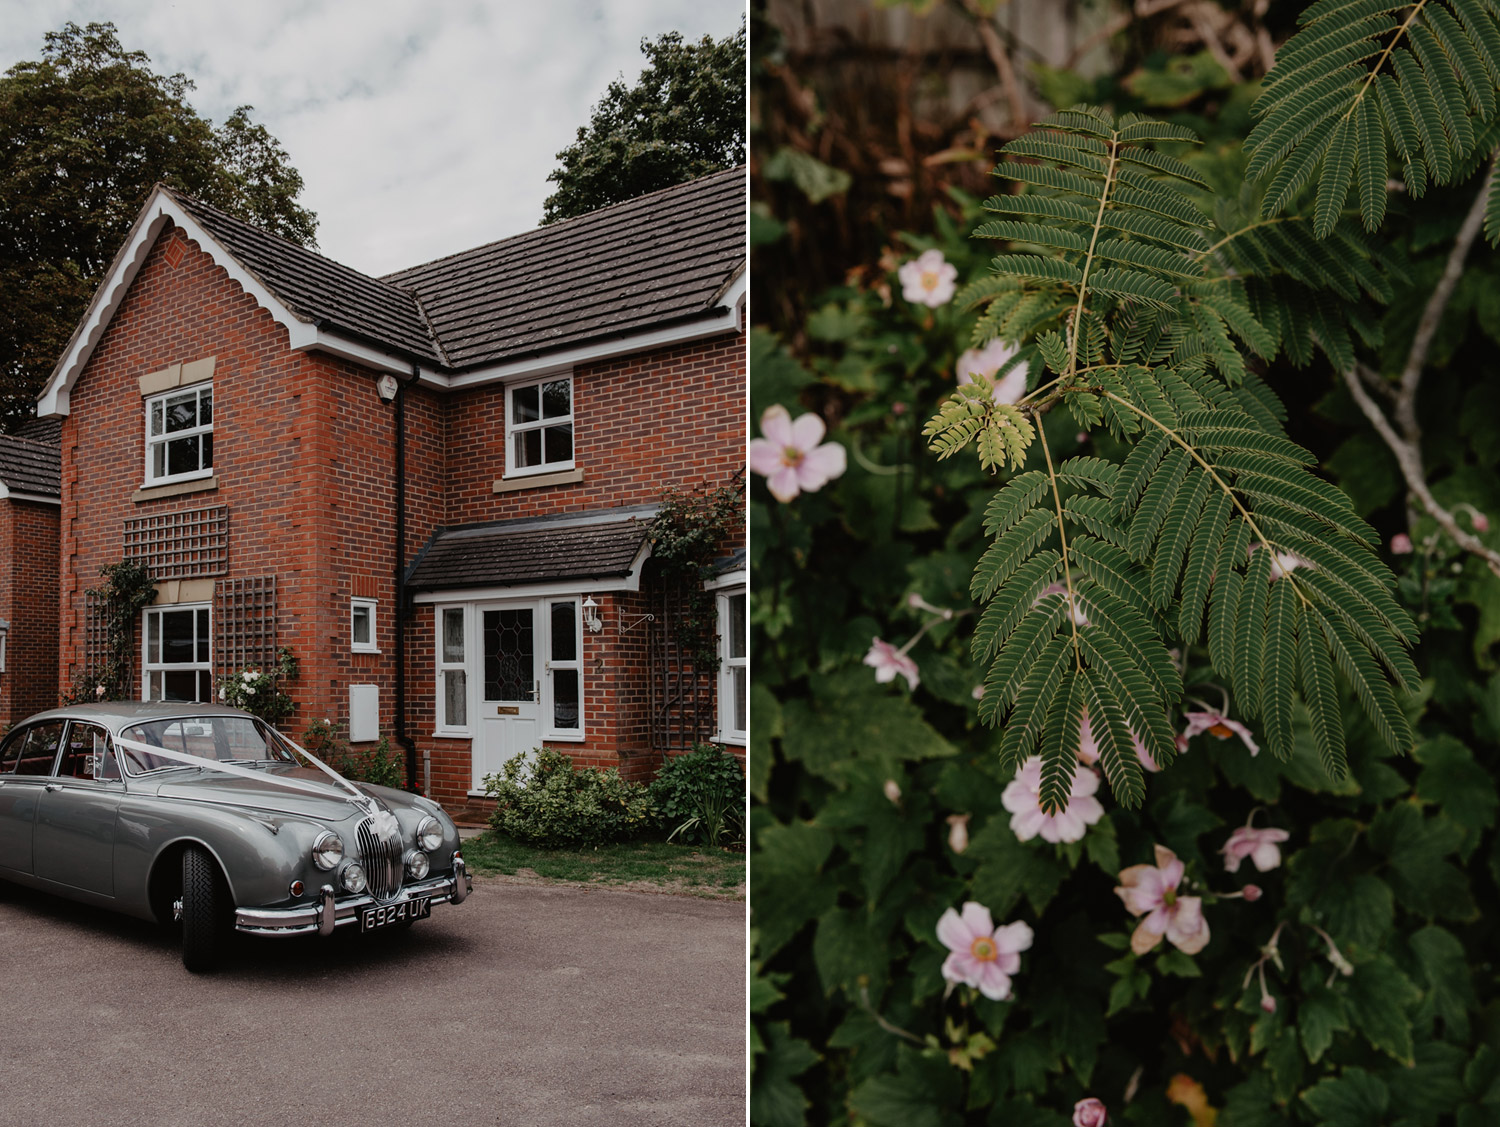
(683, 869)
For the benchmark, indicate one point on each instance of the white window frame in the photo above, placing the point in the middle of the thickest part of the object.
(728, 663)
(371, 606)
(148, 667)
(442, 668)
(153, 441)
(548, 702)
(512, 428)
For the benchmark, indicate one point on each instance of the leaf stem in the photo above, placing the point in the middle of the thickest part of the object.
(1088, 260)
(1062, 535)
(1265, 540)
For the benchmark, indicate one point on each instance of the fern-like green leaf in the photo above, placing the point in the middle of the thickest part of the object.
(1060, 742)
(1320, 691)
(1111, 731)
(1280, 661)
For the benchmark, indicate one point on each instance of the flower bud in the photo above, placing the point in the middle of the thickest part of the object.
(1090, 1112)
(958, 832)
(1268, 1003)
(1401, 544)
(1481, 522)
(892, 791)
(1253, 892)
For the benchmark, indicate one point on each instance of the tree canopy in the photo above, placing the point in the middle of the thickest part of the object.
(85, 132)
(684, 118)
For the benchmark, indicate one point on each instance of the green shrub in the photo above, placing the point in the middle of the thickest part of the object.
(548, 803)
(700, 797)
(379, 765)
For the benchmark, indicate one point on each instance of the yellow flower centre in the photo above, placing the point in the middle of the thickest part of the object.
(1220, 730)
(791, 456)
(984, 950)
(1169, 897)
(929, 279)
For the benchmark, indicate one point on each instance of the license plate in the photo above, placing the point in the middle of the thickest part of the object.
(417, 908)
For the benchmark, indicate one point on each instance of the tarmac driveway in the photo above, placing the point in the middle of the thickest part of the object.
(525, 1005)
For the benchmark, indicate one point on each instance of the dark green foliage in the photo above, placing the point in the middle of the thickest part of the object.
(379, 765)
(546, 802)
(700, 797)
(683, 118)
(85, 132)
(128, 588)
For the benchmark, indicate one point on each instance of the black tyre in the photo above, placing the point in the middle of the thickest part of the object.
(205, 911)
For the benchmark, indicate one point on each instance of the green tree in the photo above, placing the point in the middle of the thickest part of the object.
(85, 132)
(684, 118)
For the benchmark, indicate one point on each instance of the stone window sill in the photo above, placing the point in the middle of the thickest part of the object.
(537, 481)
(176, 489)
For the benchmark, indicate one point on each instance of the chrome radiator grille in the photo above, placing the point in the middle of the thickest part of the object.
(382, 861)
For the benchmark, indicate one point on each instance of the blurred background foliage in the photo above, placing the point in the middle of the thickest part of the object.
(873, 130)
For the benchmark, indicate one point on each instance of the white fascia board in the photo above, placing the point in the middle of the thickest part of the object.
(631, 582)
(159, 208)
(9, 494)
(738, 578)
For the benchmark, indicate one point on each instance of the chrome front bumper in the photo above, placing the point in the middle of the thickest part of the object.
(328, 913)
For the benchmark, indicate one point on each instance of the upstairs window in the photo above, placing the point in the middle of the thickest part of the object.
(180, 435)
(539, 426)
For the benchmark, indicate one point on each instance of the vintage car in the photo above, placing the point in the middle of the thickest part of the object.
(209, 818)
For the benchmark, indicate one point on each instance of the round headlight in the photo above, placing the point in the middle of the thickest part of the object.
(417, 864)
(429, 835)
(328, 850)
(353, 877)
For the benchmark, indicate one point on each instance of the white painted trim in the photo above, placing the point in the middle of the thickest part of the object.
(373, 645)
(738, 578)
(7, 494)
(631, 582)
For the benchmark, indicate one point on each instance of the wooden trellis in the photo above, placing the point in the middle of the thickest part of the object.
(192, 544)
(245, 624)
(682, 697)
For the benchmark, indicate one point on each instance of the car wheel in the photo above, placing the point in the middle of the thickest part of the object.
(205, 910)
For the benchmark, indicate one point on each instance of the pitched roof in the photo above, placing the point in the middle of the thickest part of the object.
(317, 288)
(656, 260)
(653, 260)
(604, 544)
(30, 467)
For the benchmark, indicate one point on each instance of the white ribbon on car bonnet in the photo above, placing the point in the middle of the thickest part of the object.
(385, 821)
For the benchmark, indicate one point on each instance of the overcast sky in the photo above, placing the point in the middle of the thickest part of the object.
(421, 127)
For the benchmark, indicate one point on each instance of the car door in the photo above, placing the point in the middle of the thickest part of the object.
(27, 760)
(74, 839)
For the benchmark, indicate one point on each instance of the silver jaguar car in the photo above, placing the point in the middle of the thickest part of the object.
(210, 819)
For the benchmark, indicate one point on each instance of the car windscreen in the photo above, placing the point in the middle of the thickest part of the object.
(221, 739)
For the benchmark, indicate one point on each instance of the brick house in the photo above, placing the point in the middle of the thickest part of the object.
(434, 488)
(29, 502)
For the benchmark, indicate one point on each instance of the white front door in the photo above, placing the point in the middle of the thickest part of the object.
(510, 721)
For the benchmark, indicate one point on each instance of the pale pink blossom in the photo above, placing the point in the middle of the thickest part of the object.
(1090, 1112)
(958, 832)
(1282, 563)
(1261, 846)
(1150, 891)
(1088, 746)
(929, 279)
(989, 362)
(1022, 797)
(888, 661)
(790, 456)
(1401, 544)
(982, 955)
(1217, 723)
(1074, 610)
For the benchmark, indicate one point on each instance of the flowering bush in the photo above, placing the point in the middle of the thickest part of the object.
(543, 800)
(904, 788)
(259, 692)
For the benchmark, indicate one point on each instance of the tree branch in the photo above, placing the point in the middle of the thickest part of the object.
(1407, 445)
(994, 46)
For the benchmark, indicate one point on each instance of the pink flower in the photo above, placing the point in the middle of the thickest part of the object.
(1251, 893)
(1401, 544)
(1217, 723)
(1088, 746)
(1481, 522)
(889, 661)
(1151, 891)
(1282, 562)
(989, 362)
(983, 955)
(928, 279)
(1022, 797)
(1074, 610)
(1258, 845)
(789, 455)
(1090, 1112)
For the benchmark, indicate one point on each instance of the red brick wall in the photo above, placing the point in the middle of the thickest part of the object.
(304, 459)
(28, 601)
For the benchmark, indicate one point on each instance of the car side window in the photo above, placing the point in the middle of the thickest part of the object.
(10, 751)
(39, 751)
(88, 754)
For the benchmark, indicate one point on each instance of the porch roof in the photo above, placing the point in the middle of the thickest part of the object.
(601, 544)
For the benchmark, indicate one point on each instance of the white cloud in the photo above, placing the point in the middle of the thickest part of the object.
(420, 130)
